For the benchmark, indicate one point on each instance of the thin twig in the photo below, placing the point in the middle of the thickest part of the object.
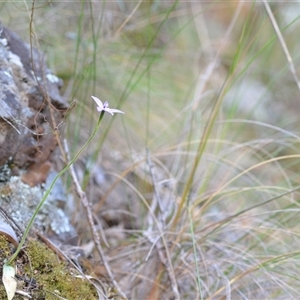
(96, 238)
(11, 124)
(11, 221)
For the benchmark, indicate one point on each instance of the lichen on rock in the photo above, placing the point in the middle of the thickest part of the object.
(30, 108)
(30, 104)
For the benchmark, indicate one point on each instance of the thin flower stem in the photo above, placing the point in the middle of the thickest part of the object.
(13, 257)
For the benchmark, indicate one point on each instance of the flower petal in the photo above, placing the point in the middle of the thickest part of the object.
(109, 111)
(98, 102)
(105, 105)
(112, 111)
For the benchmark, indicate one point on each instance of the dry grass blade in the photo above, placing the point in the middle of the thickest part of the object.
(282, 43)
(264, 264)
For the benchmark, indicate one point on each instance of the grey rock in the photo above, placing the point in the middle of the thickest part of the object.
(28, 147)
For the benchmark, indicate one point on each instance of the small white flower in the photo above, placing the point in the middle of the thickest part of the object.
(104, 107)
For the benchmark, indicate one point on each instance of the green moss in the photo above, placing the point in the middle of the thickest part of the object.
(53, 277)
(4, 247)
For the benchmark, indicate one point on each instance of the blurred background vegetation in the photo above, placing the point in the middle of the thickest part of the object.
(207, 88)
